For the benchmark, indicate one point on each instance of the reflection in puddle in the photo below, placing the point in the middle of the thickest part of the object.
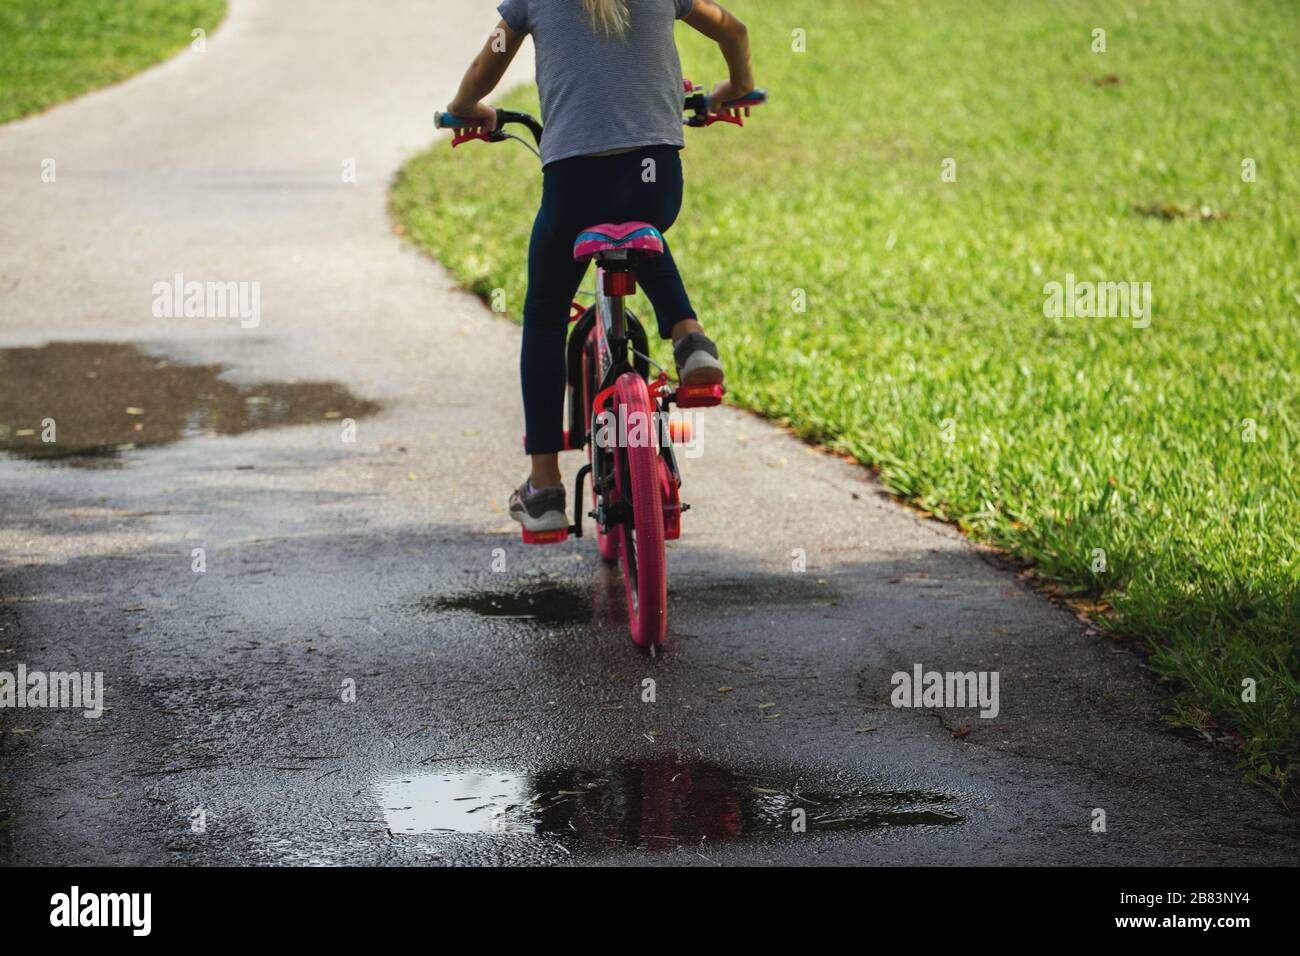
(104, 398)
(655, 804)
(548, 603)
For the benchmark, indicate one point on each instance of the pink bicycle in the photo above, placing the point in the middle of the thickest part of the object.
(616, 410)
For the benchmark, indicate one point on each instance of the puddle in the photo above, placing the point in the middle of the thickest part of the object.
(547, 604)
(656, 804)
(601, 600)
(106, 398)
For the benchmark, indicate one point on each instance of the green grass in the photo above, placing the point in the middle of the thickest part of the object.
(53, 50)
(925, 299)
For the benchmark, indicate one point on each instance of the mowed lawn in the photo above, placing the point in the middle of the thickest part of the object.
(1150, 471)
(52, 50)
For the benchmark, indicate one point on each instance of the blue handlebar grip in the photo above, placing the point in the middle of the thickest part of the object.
(752, 98)
(452, 121)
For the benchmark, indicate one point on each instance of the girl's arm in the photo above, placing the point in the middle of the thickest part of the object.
(484, 74)
(721, 26)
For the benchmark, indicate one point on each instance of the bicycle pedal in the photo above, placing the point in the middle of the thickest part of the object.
(545, 537)
(699, 396)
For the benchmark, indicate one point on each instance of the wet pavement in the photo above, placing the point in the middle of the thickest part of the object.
(321, 638)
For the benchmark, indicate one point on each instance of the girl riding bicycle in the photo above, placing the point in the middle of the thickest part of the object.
(611, 93)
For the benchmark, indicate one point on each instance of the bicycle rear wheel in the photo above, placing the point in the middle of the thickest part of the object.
(637, 482)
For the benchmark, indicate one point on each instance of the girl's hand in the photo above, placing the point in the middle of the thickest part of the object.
(487, 115)
(722, 93)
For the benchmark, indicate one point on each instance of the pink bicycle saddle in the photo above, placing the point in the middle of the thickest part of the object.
(611, 236)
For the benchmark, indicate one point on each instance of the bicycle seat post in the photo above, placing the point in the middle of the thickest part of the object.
(617, 282)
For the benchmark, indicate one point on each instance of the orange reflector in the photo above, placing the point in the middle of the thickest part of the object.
(545, 537)
(699, 396)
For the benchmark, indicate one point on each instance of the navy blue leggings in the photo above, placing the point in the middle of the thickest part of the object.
(577, 193)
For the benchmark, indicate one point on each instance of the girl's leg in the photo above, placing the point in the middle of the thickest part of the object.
(553, 279)
(694, 353)
(658, 202)
(664, 288)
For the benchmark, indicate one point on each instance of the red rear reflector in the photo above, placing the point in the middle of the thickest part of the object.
(620, 283)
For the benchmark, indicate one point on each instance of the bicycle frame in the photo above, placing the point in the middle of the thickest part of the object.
(611, 350)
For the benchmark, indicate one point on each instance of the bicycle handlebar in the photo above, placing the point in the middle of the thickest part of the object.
(696, 104)
(450, 121)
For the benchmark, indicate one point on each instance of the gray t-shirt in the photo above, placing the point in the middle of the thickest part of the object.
(601, 93)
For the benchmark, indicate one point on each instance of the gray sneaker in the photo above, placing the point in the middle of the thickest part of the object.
(697, 360)
(540, 510)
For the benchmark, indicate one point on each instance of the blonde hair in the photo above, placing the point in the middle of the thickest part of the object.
(609, 17)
